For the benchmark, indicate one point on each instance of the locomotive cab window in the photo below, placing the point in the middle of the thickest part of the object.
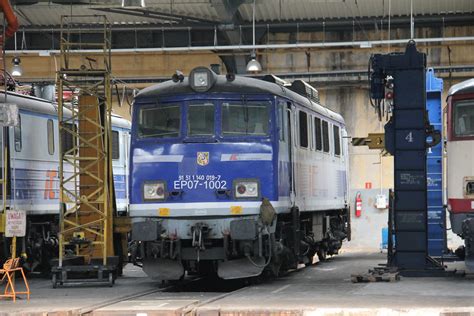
(303, 120)
(160, 121)
(337, 140)
(201, 119)
(245, 119)
(463, 118)
(115, 145)
(325, 136)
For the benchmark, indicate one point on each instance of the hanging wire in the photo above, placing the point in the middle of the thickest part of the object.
(412, 22)
(389, 22)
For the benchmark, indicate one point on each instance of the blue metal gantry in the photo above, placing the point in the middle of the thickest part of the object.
(434, 172)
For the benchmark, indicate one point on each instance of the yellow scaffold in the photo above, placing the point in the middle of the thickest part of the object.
(85, 164)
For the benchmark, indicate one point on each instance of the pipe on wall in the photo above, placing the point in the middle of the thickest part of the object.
(361, 44)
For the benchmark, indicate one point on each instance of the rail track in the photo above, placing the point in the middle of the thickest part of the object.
(188, 285)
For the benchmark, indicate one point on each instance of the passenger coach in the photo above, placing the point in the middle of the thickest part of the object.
(235, 174)
(32, 169)
(460, 169)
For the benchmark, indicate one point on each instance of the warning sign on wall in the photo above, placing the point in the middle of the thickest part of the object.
(15, 223)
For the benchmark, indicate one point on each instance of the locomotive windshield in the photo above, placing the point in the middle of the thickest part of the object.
(249, 118)
(239, 118)
(464, 118)
(163, 121)
(201, 119)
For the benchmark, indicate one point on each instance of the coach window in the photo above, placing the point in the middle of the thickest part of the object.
(317, 133)
(337, 140)
(201, 119)
(325, 136)
(160, 121)
(245, 119)
(50, 129)
(17, 135)
(115, 145)
(464, 118)
(303, 123)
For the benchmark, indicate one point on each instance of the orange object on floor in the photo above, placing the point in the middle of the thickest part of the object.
(8, 271)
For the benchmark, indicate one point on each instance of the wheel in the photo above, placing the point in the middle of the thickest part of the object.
(322, 254)
(54, 280)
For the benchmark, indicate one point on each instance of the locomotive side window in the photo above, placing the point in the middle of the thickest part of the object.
(464, 118)
(17, 135)
(115, 145)
(250, 118)
(325, 136)
(303, 122)
(201, 119)
(50, 131)
(162, 121)
(317, 133)
(337, 140)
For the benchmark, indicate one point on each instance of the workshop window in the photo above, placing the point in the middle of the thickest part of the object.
(325, 136)
(303, 119)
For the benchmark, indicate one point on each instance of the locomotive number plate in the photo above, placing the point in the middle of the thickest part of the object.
(200, 181)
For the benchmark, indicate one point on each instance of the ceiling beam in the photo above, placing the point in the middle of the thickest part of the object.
(155, 14)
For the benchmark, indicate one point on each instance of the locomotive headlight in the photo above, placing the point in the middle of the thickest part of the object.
(202, 79)
(246, 188)
(154, 190)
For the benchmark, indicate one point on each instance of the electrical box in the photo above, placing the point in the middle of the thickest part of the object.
(381, 201)
(9, 114)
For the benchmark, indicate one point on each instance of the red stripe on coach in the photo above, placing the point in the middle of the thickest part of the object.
(461, 205)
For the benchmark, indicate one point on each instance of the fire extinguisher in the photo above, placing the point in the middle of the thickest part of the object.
(358, 203)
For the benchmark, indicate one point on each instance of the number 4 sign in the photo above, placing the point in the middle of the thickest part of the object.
(409, 137)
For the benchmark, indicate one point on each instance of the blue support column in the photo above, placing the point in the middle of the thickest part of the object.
(434, 171)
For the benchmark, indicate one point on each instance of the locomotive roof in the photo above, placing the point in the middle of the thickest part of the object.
(239, 85)
(466, 86)
(38, 105)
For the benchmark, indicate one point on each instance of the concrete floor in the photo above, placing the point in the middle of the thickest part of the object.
(323, 289)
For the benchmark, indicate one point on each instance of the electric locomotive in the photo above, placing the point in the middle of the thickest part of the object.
(460, 169)
(32, 173)
(235, 175)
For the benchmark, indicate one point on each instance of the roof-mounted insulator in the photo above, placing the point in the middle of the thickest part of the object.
(277, 80)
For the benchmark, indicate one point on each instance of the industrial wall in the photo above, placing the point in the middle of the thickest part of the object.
(345, 93)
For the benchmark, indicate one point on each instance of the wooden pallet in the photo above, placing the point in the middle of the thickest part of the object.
(376, 275)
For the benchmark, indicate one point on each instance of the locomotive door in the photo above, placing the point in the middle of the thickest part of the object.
(291, 150)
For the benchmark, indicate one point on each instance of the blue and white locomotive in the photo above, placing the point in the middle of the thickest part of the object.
(235, 174)
(33, 183)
